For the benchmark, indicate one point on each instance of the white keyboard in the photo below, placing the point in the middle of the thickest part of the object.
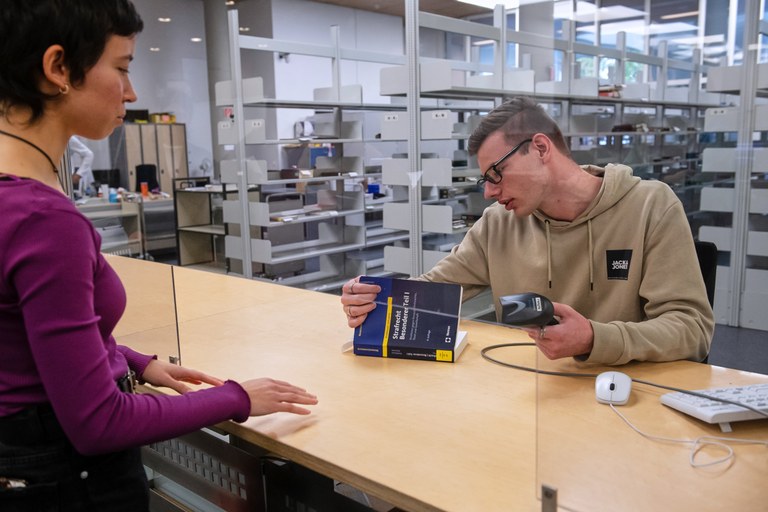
(713, 411)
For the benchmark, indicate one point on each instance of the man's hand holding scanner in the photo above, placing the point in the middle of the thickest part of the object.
(357, 300)
(571, 337)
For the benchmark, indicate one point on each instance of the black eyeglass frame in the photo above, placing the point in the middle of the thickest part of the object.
(487, 178)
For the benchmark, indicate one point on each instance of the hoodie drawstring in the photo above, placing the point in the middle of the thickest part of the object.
(589, 262)
(549, 254)
(591, 254)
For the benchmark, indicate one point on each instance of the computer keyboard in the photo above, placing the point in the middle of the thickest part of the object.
(713, 411)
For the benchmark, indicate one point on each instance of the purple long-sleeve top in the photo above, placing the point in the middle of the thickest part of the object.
(59, 302)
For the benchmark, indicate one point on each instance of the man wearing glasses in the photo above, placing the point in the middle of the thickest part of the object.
(613, 252)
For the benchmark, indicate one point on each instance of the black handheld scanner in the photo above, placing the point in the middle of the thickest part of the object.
(526, 310)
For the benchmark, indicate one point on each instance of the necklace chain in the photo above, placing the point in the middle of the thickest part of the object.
(25, 141)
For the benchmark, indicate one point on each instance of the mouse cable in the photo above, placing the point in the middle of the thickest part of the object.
(484, 352)
(697, 444)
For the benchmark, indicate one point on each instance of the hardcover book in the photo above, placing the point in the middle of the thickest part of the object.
(412, 320)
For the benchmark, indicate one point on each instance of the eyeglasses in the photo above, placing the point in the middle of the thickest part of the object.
(493, 174)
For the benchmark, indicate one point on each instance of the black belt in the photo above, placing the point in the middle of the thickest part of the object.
(37, 424)
(127, 383)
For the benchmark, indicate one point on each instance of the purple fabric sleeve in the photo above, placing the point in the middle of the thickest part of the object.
(136, 361)
(70, 300)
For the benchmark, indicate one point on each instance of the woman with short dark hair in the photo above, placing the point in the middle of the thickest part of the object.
(70, 427)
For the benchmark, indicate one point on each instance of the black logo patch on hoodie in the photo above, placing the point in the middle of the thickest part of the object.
(618, 263)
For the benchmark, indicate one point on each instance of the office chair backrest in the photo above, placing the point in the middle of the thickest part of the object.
(147, 173)
(707, 254)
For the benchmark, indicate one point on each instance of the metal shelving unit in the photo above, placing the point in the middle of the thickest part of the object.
(735, 199)
(668, 150)
(199, 225)
(298, 230)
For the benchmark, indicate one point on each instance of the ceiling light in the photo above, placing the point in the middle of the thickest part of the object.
(154, 49)
(196, 39)
(639, 27)
(680, 15)
(588, 13)
(164, 20)
(229, 2)
(566, 10)
(490, 4)
(245, 29)
(699, 40)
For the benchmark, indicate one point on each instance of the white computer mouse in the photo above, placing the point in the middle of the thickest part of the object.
(613, 388)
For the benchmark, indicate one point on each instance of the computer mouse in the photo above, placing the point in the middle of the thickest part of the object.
(527, 309)
(613, 388)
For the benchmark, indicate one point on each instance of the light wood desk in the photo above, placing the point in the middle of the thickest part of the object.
(456, 437)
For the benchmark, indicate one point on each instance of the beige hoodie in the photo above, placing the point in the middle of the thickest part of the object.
(628, 264)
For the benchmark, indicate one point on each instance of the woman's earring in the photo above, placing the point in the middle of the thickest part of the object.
(64, 89)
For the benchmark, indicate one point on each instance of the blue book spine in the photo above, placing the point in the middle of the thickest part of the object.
(371, 337)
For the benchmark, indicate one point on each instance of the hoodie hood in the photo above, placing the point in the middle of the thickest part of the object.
(617, 182)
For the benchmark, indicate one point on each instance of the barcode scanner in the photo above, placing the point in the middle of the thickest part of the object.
(527, 310)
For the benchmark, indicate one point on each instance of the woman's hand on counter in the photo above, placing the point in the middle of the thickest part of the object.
(161, 373)
(270, 395)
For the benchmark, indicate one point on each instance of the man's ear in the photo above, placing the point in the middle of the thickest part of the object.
(55, 71)
(541, 145)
